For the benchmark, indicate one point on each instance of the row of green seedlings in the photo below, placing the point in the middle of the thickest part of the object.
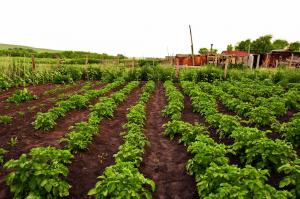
(264, 113)
(42, 172)
(58, 89)
(261, 111)
(5, 119)
(252, 145)
(123, 179)
(21, 96)
(47, 120)
(248, 90)
(210, 166)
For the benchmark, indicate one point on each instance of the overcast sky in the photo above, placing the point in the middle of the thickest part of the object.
(144, 28)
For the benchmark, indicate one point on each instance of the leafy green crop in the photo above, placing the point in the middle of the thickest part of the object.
(122, 180)
(39, 174)
(5, 119)
(21, 96)
(227, 181)
(2, 152)
(292, 178)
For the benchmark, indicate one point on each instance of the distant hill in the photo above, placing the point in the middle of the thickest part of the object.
(39, 50)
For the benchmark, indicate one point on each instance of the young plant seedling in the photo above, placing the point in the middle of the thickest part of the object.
(5, 119)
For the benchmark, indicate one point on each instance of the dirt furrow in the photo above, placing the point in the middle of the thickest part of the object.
(30, 138)
(88, 165)
(164, 160)
(12, 109)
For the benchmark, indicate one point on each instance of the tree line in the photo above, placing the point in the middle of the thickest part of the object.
(264, 44)
(27, 52)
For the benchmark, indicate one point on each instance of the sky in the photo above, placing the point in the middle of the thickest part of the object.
(145, 28)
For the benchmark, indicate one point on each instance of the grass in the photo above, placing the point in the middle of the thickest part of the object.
(39, 50)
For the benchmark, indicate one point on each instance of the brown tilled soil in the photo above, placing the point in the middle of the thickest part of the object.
(164, 160)
(288, 116)
(88, 165)
(33, 88)
(28, 137)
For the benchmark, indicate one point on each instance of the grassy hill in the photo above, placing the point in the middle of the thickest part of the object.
(40, 50)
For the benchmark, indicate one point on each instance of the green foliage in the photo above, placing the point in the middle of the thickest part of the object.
(80, 137)
(243, 45)
(280, 44)
(21, 96)
(2, 152)
(291, 131)
(261, 116)
(230, 47)
(13, 141)
(46, 121)
(5, 119)
(122, 180)
(227, 181)
(203, 51)
(205, 152)
(39, 174)
(292, 178)
(295, 46)
(175, 101)
(266, 153)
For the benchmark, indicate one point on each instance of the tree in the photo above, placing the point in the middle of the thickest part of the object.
(295, 46)
(280, 44)
(262, 44)
(230, 47)
(203, 51)
(243, 45)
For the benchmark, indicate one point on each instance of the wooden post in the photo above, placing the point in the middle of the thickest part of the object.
(192, 45)
(276, 63)
(257, 61)
(33, 62)
(291, 60)
(86, 60)
(226, 67)
(177, 68)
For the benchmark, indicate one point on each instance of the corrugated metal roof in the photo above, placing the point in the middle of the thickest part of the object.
(235, 53)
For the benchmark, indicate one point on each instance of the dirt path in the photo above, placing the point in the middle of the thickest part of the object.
(164, 160)
(88, 165)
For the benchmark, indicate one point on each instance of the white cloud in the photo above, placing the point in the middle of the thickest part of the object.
(144, 28)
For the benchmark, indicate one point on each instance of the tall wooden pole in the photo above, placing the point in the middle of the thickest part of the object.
(33, 62)
(192, 46)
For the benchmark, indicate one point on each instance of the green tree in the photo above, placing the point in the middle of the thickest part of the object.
(243, 45)
(230, 47)
(295, 46)
(262, 44)
(280, 44)
(203, 51)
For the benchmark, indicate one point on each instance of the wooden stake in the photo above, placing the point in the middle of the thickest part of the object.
(192, 45)
(33, 62)
(226, 67)
(291, 60)
(257, 61)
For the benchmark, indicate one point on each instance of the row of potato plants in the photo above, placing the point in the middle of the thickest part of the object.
(123, 179)
(252, 145)
(265, 113)
(278, 103)
(21, 96)
(42, 172)
(262, 111)
(82, 133)
(209, 164)
(47, 120)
